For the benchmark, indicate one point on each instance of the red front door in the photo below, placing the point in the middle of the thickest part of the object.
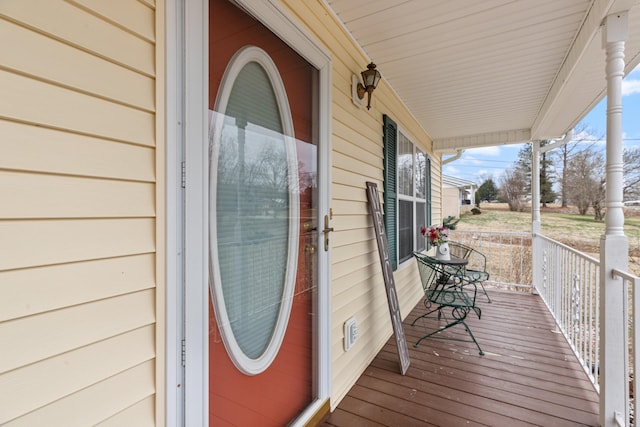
(263, 221)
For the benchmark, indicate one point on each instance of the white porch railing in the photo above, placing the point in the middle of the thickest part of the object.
(568, 284)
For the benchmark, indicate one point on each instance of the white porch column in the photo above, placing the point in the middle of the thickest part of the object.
(535, 215)
(613, 244)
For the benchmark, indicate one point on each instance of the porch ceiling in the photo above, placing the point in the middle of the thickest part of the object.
(479, 73)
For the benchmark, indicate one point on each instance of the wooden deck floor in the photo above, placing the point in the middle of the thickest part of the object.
(528, 376)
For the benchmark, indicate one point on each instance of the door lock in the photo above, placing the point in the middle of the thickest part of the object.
(308, 226)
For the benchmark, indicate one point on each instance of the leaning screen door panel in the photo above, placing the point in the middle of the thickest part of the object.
(263, 217)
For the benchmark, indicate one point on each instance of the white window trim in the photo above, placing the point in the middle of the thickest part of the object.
(405, 197)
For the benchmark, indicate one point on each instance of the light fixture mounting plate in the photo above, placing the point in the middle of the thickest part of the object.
(355, 81)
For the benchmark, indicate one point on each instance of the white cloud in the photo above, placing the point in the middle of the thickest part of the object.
(630, 87)
(484, 151)
(471, 160)
(481, 174)
(450, 170)
(587, 137)
(631, 83)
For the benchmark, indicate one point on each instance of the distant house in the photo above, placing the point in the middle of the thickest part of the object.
(457, 195)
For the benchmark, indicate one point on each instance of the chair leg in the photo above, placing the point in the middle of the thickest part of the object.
(478, 312)
(485, 291)
(459, 320)
(473, 338)
(424, 316)
(442, 328)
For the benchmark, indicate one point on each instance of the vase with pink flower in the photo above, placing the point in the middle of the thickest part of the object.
(439, 237)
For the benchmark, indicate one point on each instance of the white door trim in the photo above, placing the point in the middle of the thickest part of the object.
(196, 231)
(174, 263)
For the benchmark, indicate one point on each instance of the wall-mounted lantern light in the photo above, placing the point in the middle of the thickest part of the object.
(370, 78)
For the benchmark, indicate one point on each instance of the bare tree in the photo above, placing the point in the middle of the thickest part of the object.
(513, 188)
(582, 140)
(599, 198)
(585, 180)
(631, 187)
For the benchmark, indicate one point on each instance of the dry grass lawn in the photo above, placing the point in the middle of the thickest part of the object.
(562, 224)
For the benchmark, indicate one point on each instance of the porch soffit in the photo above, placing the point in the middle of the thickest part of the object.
(492, 72)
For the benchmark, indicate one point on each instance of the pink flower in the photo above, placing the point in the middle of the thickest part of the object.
(436, 235)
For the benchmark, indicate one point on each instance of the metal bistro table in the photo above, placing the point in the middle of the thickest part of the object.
(452, 267)
(454, 261)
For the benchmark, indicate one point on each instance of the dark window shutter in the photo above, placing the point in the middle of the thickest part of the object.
(427, 177)
(390, 138)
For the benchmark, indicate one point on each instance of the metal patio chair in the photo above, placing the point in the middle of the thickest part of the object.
(476, 270)
(442, 292)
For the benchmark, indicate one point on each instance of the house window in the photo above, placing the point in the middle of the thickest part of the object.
(407, 197)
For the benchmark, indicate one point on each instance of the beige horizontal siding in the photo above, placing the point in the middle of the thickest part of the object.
(51, 241)
(350, 222)
(140, 415)
(36, 102)
(346, 192)
(354, 265)
(353, 151)
(27, 195)
(42, 150)
(353, 235)
(133, 16)
(77, 27)
(354, 164)
(150, 3)
(357, 157)
(78, 222)
(54, 61)
(98, 402)
(72, 371)
(52, 333)
(41, 289)
(355, 210)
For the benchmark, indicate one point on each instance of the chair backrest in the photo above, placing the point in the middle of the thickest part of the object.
(459, 250)
(430, 269)
(477, 260)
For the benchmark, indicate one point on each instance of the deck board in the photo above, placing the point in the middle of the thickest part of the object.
(528, 375)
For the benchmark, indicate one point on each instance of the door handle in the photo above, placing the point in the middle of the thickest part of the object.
(326, 232)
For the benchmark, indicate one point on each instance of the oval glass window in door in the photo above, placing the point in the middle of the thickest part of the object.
(254, 210)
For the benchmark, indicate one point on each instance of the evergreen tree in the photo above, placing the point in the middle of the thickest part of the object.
(547, 195)
(488, 190)
(523, 164)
